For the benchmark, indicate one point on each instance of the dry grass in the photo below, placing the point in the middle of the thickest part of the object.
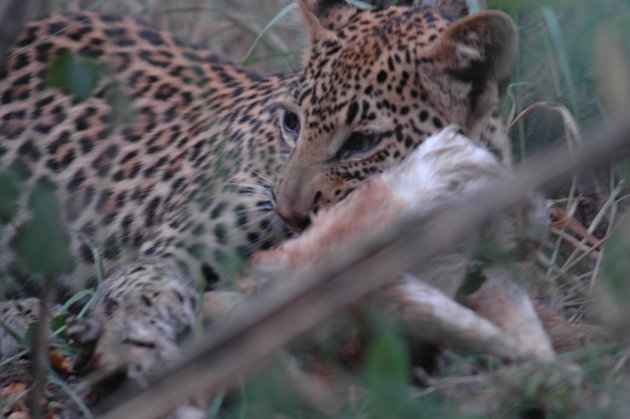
(223, 26)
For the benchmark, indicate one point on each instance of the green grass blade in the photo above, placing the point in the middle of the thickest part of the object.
(559, 45)
(76, 297)
(7, 361)
(215, 405)
(100, 276)
(54, 378)
(272, 22)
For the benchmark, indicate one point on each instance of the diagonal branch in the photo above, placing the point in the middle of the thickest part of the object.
(279, 315)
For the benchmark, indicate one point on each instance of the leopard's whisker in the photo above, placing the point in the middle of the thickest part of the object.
(255, 189)
(261, 207)
(248, 185)
(261, 217)
(262, 177)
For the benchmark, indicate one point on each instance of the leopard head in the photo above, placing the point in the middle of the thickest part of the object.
(376, 83)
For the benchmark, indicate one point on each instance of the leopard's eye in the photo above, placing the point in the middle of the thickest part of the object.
(291, 123)
(358, 143)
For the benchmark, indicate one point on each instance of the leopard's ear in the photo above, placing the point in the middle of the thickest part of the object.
(324, 16)
(475, 54)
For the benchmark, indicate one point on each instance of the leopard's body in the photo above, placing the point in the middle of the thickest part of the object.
(167, 167)
(135, 176)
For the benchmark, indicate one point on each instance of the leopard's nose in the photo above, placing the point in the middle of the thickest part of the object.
(296, 222)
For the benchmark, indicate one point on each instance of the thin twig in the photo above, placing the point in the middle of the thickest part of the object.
(40, 349)
(587, 250)
(572, 259)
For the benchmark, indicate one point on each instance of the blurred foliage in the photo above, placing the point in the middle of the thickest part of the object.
(388, 375)
(623, 170)
(42, 243)
(558, 60)
(264, 396)
(616, 266)
(73, 74)
(612, 64)
(9, 194)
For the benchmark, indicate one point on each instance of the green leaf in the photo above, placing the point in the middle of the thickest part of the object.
(76, 75)
(266, 395)
(388, 374)
(42, 244)
(9, 193)
(58, 325)
(120, 103)
(59, 321)
(30, 333)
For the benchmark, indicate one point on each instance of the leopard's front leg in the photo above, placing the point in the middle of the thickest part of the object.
(142, 310)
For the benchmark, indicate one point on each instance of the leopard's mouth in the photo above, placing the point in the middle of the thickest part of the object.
(296, 222)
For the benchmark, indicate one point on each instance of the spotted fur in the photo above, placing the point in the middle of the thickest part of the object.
(176, 163)
(158, 161)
